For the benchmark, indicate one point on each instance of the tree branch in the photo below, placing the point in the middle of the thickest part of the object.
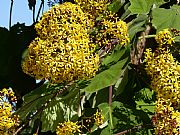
(42, 3)
(10, 16)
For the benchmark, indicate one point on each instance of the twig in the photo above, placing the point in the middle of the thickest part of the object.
(33, 14)
(108, 47)
(110, 95)
(129, 130)
(136, 58)
(110, 106)
(19, 129)
(42, 3)
(10, 16)
(146, 36)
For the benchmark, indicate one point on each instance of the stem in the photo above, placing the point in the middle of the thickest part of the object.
(147, 36)
(42, 3)
(108, 47)
(33, 14)
(19, 129)
(129, 130)
(110, 95)
(10, 16)
(110, 106)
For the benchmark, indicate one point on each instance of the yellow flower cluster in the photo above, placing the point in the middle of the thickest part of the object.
(99, 118)
(110, 27)
(63, 51)
(164, 37)
(8, 121)
(63, 22)
(67, 128)
(175, 32)
(164, 71)
(111, 30)
(93, 7)
(167, 120)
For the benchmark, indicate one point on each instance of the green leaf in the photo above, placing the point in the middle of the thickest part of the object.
(107, 77)
(115, 56)
(127, 12)
(104, 107)
(159, 2)
(126, 117)
(106, 131)
(140, 6)
(33, 101)
(166, 18)
(136, 25)
(36, 93)
(146, 107)
(107, 113)
(28, 109)
(122, 82)
(115, 5)
(146, 95)
(52, 115)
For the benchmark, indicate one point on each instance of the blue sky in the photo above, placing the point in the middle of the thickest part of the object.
(21, 12)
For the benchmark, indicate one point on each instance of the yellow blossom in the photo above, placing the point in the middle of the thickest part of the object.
(63, 51)
(67, 128)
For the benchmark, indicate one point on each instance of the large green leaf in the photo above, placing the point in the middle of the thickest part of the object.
(52, 115)
(145, 100)
(146, 107)
(126, 117)
(144, 6)
(115, 56)
(140, 6)
(137, 25)
(33, 101)
(36, 93)
(115, 5)
(166, 18)
(107, 77)
(146, 95)
(122, 82)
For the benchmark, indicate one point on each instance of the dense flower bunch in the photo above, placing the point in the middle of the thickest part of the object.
(8, 121)
(65, 21)
(109, 28)
(68, 128)
(63, 51)
(166, 119)
(99, 118)
(112, 29)
(164, 37)
(165, 74)
(93, 7)
(163, 69)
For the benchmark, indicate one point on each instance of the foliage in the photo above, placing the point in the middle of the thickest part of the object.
(96, 75)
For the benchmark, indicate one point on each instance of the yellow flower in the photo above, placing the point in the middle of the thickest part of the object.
(67, 128)
(164, 37)
(93, 7)
(166, 120)
(163, 70)
(112, 29)
(8, 121)
(99, 118)
(63, 51)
